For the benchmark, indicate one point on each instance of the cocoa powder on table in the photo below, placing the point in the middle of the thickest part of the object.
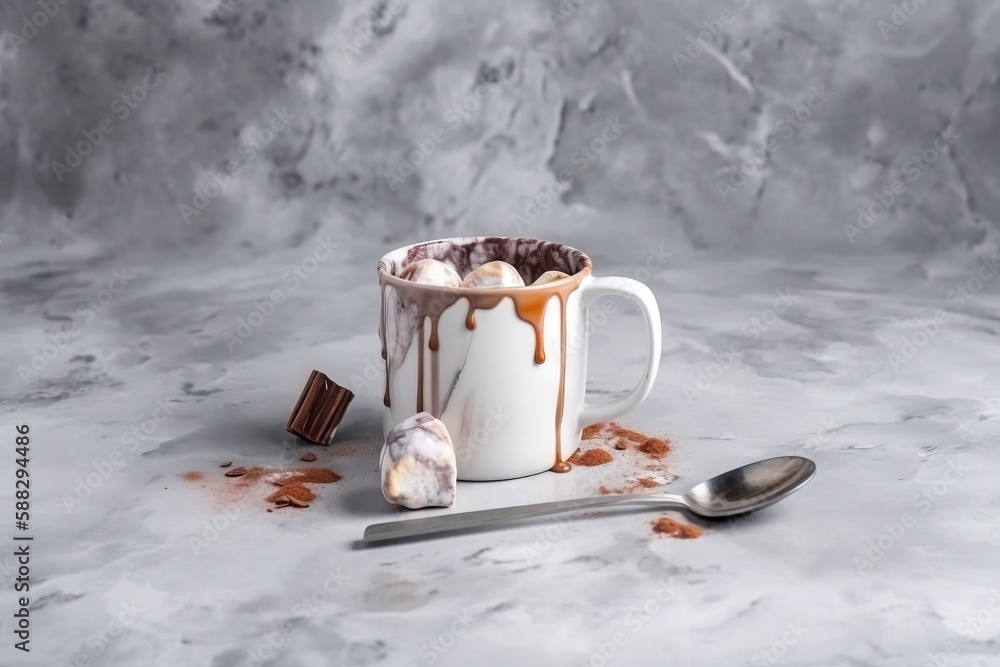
(637, 460)
(310, 476)
(625, 434)
(591, 457)
(621, 437)
(293, 491)
(673, 528)
(655, 447)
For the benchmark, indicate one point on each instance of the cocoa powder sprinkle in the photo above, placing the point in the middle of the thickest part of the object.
(655, 447)
(292, 481)
(311, 476)
(294, 490)
(673, 528)
(627, 434)
(591, 457)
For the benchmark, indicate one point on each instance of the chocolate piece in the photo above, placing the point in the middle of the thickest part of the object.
(236, 472)
(308, 456)
(319, 409)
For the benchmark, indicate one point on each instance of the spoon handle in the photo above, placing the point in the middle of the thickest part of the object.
(436, 524)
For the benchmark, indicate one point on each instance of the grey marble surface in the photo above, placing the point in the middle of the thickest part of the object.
(813, 185)
(882, 560)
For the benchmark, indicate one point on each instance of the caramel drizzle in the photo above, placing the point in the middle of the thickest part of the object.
(560, 465)
(529, 305)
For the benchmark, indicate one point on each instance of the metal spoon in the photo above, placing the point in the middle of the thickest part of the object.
(745, 489)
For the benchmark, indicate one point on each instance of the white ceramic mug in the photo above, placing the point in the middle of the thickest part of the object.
(504, 368)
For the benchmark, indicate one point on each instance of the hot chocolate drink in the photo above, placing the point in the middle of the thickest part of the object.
(492, 358)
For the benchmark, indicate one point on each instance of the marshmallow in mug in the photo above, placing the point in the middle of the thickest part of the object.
(417, 465)
(550, 277)
(494, 274)
(432, 272)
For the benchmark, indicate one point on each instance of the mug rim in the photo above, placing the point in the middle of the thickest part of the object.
(387, 277)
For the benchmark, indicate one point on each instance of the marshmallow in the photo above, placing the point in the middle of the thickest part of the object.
(431, 272)
(494, 274)
(550, 277)
(418, 464)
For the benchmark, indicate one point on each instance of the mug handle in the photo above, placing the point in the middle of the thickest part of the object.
(590, 291)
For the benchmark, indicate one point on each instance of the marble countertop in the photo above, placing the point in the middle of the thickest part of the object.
(879, 369)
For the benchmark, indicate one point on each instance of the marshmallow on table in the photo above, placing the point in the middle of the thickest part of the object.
(431, 272)
(418, 464)
(494, 274)
(550, 277)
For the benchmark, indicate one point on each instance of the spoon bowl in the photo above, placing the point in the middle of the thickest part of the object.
(749, 488)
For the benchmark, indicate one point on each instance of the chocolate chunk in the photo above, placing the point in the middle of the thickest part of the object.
(236, 472)
(319, 409)
(308, 457)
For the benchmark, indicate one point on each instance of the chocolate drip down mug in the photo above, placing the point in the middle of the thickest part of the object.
(504, 368)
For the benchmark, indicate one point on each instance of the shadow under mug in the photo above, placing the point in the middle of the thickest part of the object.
(504, 368)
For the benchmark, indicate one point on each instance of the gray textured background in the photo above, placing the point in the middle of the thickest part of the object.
(557, 73)
(146, 346)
